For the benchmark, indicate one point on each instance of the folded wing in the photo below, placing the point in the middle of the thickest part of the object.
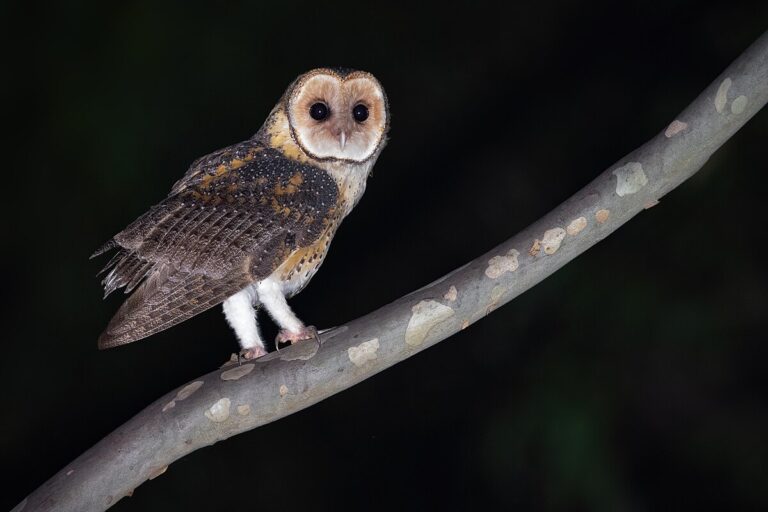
(235, 216)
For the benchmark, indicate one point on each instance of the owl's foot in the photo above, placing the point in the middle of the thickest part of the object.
(307, 333)
(252, 353)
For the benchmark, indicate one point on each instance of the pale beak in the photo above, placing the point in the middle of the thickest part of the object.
(342, 140)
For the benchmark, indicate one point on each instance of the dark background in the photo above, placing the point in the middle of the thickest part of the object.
(633, 379)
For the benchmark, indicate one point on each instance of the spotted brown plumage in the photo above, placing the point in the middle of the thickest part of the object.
(249, 225)
(235, 218)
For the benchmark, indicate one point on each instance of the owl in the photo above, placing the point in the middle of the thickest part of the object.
(249, 225)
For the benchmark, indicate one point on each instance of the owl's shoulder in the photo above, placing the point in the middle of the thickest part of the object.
(254, 166)
(218, 163)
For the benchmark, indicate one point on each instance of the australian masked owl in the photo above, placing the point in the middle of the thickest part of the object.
(250, 224)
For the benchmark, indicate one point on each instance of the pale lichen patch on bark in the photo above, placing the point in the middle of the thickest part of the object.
(630, 178)
(535, 248)
(283, 390)
(496, 293)
(237, 372)
(739, 104)
(721, 98)
(303, 351)
(187, 390)
(156, 471)
(552, 239)
(651, 203)
(425, 315)
(451, 294)
(363, 352)
(233, 359)
(601, 216)
(183, 393)
(244, 410)
(219, 411)
(674, 128)
(576, 226)
(500, 265)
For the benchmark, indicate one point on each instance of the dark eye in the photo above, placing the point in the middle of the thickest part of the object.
(319, 111)
(360, 113)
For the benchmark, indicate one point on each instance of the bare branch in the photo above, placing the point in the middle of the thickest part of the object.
(239, 398)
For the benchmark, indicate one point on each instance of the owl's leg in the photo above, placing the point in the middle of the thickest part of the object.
(292, 329)
(240, 312)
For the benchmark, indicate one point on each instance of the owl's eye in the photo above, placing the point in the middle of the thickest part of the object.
(319, 111)
(360, 113)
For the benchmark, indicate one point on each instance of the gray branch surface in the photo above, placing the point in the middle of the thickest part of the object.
(238, 398)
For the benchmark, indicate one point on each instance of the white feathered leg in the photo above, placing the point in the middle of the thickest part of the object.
(240, 312)
(292, 329)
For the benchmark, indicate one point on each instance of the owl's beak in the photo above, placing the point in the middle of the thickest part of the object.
(342, 140)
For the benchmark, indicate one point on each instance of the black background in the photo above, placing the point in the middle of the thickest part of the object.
(633, 379)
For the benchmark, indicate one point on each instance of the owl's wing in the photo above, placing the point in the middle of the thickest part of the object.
(232, 220)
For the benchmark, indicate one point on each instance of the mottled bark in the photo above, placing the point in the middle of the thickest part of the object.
(238, 398)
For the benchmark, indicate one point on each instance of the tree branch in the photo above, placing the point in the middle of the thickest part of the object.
(238, 398)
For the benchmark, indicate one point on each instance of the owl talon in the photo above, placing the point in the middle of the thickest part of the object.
(251, 353)
(307, 333)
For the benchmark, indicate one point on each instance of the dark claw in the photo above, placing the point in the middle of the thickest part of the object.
(315, 336)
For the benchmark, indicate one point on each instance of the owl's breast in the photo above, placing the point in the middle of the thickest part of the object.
(301, 266)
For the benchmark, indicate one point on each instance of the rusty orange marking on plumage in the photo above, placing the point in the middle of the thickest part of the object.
(297, 179)
(208, 179)
(280, 138)
(310, 256)
(252, 154)
(292, 186)
(330, 216)
(279, 208)
(205, 197)
(288, 267)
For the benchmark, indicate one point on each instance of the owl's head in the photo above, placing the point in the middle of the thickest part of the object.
(336, 114)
